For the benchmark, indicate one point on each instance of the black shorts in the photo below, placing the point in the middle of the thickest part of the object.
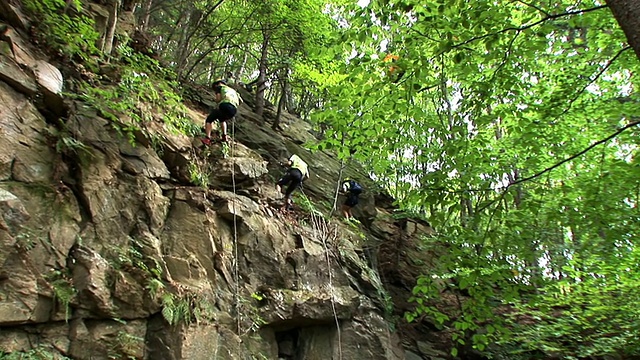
(352, 199)
(294, 178)
(224, 112)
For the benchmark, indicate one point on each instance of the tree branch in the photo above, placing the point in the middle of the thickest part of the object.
(525, 27)
(538, 174)
(622, 129)
(591, 81)
(534, 6)
(505, 57)
(587, 149)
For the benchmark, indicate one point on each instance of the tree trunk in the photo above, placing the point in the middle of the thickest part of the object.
(168, 44)
(182, 50)
(210, 77)
(627, 13)
(262, 77)
(111, 27)
(283, 98)
(146, 15)
(240, 69)
(129, 5)
(196, 20)
(290, 102)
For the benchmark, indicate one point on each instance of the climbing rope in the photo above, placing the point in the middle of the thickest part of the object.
(335, 198)
(235, 228)
(321, 230)
(215, 354)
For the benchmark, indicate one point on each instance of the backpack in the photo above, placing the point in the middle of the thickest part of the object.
(355, 187)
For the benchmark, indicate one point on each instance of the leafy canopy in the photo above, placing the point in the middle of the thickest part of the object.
(511, 126)
(513, 130)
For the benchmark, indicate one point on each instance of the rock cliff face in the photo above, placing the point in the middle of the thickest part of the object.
(108, 250)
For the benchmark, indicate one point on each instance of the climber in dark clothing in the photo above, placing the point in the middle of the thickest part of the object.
(298, 170)
(228, 101)
(352, 190)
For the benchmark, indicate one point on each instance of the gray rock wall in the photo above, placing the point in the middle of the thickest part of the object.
(108, 251)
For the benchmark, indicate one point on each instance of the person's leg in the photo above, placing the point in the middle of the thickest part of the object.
(228, 111)
(345, 211)
(208, 126)
(287, 195)
(355, 200)
(223, 129)
(283, 181)
(207, 129)
(352, 200)
(296, 180)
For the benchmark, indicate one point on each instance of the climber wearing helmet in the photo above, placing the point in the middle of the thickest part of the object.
(228, 101)
(351, 189)
(298, 172)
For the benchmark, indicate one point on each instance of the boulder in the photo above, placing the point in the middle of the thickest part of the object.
(13, 15)
(42, 78)
(91, 273)
(229, 205)
(14, 340)
(140, 160)
(412, 356)
(50, 82)
(105, 339)
(25, 154)
(239, 170)
(190, 241)
(367, 337)
(15, 77)
(47, 341)
(130, 296)
(293, 308)
(200, 342)
(14, 213)
(20, 301)
(430, 351)
(48, 77)
(52, 227)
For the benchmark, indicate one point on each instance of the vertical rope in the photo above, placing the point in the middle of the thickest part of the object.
(335, 198)
(215, 354)
(321, 230)
(235, 228)
(333, 302)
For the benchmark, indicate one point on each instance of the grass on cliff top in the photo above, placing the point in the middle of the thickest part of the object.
(140, 93)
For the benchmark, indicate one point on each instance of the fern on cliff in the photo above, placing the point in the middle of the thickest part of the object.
(65, 29)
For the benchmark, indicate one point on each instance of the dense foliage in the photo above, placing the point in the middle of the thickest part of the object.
(513, 130)
(510, 126)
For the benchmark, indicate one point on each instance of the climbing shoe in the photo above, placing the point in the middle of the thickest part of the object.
(206, 141)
